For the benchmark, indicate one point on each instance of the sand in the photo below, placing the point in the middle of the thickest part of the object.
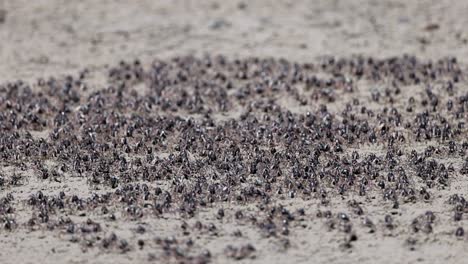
(44, 38)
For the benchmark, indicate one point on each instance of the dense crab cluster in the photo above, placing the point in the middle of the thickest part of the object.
(186, 135)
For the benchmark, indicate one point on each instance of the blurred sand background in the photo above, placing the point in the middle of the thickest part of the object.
(45, 37)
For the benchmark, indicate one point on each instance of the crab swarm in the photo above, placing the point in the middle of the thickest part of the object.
(269, 146)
